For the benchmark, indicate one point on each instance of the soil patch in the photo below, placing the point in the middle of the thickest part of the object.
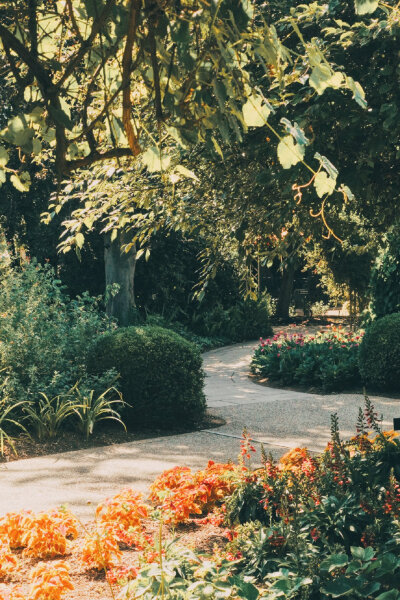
(107, 434)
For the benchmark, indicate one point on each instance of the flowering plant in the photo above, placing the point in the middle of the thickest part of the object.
(180, 493)
(327, 359)
(50, 581)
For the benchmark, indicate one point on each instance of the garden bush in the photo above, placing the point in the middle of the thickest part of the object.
(327, 360)
(44, 335)
(203, 343)
(385, 278)
(245, 320)
(379, 358)
(161, 375)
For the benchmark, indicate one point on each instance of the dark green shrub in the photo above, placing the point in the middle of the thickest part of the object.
(202, 343)
(385, 279)
(161, 375)
(379, 358)
(246, 320)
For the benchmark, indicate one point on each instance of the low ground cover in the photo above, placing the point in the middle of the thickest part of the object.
(305, 528)
(326, 359)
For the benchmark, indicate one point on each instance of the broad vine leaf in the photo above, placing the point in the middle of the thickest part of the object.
(324, 184)
(36, 146)
(338, 587)
(2, 176)
(255, 113)
(154, 161)
(364, 7)
(3, 156)
(323, 77)
(22, 181)
(289, 153)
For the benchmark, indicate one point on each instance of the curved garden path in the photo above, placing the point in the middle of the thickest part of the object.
(281, 419)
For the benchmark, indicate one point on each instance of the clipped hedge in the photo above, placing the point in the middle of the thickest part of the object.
(161, 375)
(379, 357)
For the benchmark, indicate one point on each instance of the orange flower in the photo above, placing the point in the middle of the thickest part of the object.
(8, 560)
(125, 509)
(100, 549)
(182, 494)
(12, 526)
(50, 581)
(45, 536)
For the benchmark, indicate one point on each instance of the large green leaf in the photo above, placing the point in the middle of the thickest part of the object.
(390, 595)
(324, 184)
(323, 77)
(3, 156)
(289, 153)
(334, 561)
(60, 117)
(154, 160)
(255, 112)
(338, 587)
(21, 181)
(364, 7)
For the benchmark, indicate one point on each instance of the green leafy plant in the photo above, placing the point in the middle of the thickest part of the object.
(161, 375)
(327, 360)
(47, 416)
(379, 358)
(44, 335)
(90, 409)
(7, 422)
(245, 320)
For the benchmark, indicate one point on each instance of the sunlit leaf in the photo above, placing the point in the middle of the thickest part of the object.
(21, 181)
(154, 160)
(364, 7)
(324, 184)
(289, 152)
(255, 112)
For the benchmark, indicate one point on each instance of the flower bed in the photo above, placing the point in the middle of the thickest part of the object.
(309, 527)
(327, 359)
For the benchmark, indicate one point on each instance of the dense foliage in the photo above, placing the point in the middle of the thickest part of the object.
(327, 359)
(161, 374)
(380, 353)
(45, 335)
(328, 526)
(385, 281)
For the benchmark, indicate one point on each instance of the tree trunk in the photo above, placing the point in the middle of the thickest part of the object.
(120, 270)
(285, 292)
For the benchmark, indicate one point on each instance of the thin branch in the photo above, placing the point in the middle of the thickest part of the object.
(93, 157)
(75, 26)
(105, 108)
(25, 55)
(87, 44)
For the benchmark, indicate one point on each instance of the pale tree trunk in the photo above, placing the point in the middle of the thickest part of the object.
(120, 270)
(285, 292)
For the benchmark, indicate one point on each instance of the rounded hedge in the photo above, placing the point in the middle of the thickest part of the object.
(379, 358)
(161, 375)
